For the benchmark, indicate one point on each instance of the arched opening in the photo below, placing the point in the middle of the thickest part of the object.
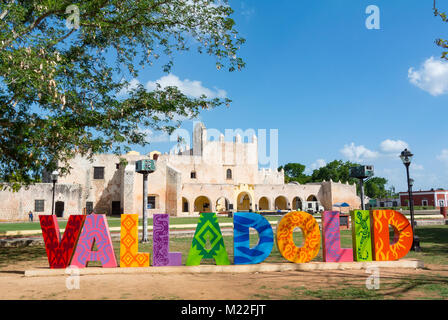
(244, 202)
(281, 203)
(263, 203)
(185, 207)
(297, 204)
(312, 204)
(202, 204)
(222, 204)
(229, 174)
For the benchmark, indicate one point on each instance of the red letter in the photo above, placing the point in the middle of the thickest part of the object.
(59, 252)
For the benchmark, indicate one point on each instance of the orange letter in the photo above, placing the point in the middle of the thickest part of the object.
(402, 242)
(129, 256)
(311, 233)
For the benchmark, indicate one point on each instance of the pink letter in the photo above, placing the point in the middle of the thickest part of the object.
(331, 241)
(95, 230)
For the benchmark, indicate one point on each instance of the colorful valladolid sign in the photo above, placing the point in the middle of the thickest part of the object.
(370, 232)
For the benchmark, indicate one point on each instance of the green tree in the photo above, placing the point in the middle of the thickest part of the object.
(336, 170)
(295, 172)
(376, 188)
(59, 85)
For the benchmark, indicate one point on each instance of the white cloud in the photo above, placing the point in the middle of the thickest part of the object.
(151, 137)
(443, 156)
(417, 167)
(132, 85)
(358, 153)
(192, 88)
(431, 77)
(319, 163)
(393, 146)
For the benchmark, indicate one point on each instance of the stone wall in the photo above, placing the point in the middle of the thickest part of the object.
(16, 205)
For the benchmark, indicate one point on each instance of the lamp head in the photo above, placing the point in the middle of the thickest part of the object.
(54, 176)
(406, 157)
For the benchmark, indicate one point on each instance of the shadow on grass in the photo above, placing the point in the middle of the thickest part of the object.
(9, 256)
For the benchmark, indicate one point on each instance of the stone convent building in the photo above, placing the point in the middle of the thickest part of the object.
(213, 176)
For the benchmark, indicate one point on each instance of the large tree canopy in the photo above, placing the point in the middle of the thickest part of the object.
(59, 85)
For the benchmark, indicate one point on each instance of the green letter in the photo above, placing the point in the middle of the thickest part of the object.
(207, 229)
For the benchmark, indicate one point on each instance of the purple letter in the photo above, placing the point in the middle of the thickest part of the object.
(161, 246)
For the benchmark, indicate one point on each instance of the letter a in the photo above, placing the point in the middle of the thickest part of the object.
(95, 230)
(373, 21)
(207, 228)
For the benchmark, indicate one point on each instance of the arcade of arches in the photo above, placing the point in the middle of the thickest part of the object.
(245, 203)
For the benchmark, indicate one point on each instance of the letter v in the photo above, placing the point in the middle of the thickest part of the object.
(60, 252)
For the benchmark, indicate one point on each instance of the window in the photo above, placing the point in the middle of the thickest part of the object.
(98, 172)
(39, 205)
(151, 202)
(424, 202)
(229, 174)
(193, 175)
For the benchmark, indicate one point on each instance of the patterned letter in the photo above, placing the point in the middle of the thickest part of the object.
(243, 254)
(311, 233)
(129, 256)
(95, 230)
(362, 235)
(161, 243)
(331, 239)
(402, 241)
(207, 228)
(59, 252)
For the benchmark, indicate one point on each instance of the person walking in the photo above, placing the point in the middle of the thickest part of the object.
(30, 216)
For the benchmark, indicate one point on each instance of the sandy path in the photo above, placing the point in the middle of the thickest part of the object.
(270, 285)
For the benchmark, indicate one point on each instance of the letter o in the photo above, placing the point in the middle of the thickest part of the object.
(311, 233)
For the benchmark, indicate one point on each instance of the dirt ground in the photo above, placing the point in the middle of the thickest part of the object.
(428, 283)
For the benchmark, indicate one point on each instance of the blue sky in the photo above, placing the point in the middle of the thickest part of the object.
(333, 88)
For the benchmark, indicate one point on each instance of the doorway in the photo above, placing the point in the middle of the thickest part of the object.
(116, 208)
(59, 209)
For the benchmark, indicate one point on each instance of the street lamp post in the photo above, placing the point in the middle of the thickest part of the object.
(406, 157)
(54, 179)
(145, 167)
